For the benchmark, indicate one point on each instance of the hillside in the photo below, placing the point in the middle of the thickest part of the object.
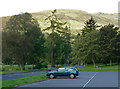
(75, 18)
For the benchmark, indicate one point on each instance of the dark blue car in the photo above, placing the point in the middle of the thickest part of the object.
(72, 72)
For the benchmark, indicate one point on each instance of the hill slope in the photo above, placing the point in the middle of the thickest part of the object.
(75, 18)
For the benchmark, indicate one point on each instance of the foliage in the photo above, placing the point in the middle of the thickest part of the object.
(24, 43)
(57, 40)
(40, 65)
(107, 34)
(96, 45)
(20, 37)
(90, 25)
(86, 46)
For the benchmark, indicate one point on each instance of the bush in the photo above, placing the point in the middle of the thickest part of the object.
(38, 66)
(41, 65)
(73, 64)
(44, 65)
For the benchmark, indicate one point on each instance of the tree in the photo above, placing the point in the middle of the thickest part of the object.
(58, 30)
(66, 44)
(86, 44)
(38, 54)
(107, 34)
(55, 48)
(115, 48)
(8, 45)
(90, 25)
(92, 47)
(25, 33)
(86, 48)
(77, 49)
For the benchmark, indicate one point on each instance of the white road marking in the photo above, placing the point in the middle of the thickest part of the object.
(89, 80)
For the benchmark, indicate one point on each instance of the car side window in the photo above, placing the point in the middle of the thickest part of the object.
(61, 69)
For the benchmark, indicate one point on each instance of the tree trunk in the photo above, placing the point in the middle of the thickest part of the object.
(52, 53)
(19, 67)
(93, 60)
(68, 60)
(81, 63)
(11, 67)
(78, 63)
(23, 66)
(110, 62)
(52, 63)
(93, 63)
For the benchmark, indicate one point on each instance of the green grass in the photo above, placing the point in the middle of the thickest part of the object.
(15, 68)
(100, 68)
(8, 84)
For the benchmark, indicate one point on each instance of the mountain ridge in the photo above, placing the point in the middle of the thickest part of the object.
(75, 18)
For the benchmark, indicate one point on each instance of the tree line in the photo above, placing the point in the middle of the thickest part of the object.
(24, 43)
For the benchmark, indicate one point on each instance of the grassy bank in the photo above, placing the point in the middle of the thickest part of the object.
(99, 68)
(8, 84)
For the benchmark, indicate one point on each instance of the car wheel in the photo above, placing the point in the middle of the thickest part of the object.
(51, 76)
(72, 76)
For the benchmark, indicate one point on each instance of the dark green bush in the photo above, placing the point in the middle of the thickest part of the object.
(44, 65)
(38, 65)
(41, 65)
(73, 64)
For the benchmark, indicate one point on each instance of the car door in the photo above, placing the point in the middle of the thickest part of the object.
(67, 71)
(60, 72)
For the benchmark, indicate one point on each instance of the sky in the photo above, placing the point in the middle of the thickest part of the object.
(12, 7)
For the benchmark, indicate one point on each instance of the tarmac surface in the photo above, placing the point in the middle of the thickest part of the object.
(85, 80)
(8, 76)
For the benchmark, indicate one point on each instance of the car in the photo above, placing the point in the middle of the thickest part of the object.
(72, 72)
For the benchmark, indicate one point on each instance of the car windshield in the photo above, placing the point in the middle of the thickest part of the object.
(74, 69)
(69, 69)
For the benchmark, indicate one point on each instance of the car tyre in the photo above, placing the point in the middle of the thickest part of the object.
(72, 76)
(51, 76)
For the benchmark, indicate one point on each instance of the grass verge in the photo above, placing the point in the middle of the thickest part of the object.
(8, 84)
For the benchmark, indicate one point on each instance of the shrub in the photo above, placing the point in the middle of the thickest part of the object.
(38, 65)
(73, 64)
(44, 65)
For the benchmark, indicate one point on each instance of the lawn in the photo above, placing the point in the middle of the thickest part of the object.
(99, 68)
(15, 68)
(8, 84)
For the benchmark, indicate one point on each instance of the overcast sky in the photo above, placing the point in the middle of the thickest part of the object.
(12, 7)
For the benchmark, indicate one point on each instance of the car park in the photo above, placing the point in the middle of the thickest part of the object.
(72, 72)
